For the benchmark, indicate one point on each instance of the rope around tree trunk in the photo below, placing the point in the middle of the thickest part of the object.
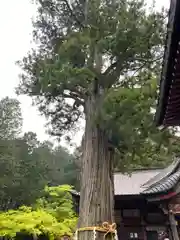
(105, 228)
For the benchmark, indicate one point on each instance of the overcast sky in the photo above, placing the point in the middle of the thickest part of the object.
(15, 41)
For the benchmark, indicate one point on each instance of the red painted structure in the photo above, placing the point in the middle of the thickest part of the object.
(168, 109)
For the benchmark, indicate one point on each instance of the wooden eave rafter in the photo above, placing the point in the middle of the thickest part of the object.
(168, 108)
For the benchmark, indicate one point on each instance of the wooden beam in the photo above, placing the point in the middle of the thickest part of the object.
(173, 226)
(166, 75)
(161, 197)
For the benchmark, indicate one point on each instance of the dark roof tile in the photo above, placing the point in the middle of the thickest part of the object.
(151, 181)
(164, 185)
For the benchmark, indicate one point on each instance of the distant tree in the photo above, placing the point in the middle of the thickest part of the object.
(27, 166)
(10, 118)
(22, 176)
(31, 139)
(63, 168)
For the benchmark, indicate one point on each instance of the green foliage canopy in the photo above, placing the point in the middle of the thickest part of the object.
(109, 49)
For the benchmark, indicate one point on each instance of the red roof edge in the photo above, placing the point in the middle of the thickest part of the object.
(170, 50)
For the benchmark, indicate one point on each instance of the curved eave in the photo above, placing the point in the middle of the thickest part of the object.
(164, 186)
(168, 62)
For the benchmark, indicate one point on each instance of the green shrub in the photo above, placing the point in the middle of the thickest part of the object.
(52, 216)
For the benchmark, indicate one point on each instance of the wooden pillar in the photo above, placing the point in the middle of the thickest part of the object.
(173, 226)
(143, 227)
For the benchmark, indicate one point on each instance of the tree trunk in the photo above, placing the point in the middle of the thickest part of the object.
(97, 185)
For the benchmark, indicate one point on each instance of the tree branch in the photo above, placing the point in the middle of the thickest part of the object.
(78, 4)
(75, 97)
(112, 73)
(72, 14)
(115, 64)
(117, 67)
(144, 64)
(111, 67)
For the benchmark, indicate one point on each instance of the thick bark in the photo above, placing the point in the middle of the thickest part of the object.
(97, 186)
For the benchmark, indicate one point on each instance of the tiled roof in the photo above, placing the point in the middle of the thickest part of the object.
(132, 184)
(165, 180)
(164, 185)
(163, 174)
(150, 181)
